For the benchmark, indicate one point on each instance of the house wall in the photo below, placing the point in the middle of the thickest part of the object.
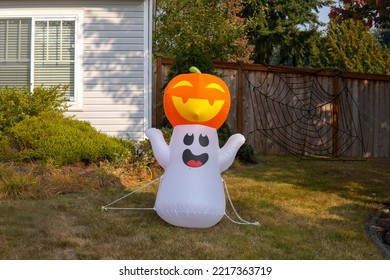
(115, 69)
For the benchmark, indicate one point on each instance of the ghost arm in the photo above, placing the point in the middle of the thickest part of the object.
(159, 146)
(228, 152)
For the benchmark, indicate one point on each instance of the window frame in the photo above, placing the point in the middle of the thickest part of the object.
(48, 15)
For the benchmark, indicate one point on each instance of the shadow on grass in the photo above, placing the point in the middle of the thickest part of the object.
(306, 211)
(363, 181)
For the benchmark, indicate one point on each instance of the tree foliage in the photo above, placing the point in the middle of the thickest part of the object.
(352, 47)
(284, 32)
(212, 25)
(281, 32)
(373, 13)
(370, 12)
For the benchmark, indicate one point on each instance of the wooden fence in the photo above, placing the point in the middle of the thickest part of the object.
(306, 112)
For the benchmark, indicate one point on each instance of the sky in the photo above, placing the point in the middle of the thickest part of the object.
(323, 15)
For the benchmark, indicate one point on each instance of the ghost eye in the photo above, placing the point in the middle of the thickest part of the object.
(203, 140)
(188, 139)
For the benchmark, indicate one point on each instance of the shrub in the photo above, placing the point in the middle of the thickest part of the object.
(143, 153)
(245, 154)
(186, 58)
(18, 103)
(7, 153)
(53, 138)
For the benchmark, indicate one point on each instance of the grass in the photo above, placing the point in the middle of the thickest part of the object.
(306, 210)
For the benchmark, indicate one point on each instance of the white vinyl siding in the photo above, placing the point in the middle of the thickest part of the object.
(15, 37)
(112, 69)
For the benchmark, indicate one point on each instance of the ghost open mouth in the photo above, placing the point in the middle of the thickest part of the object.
(192, 160)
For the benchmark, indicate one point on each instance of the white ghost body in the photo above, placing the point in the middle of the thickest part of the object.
(191, 192)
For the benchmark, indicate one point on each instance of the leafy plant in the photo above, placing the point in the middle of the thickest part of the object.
(213, 26)
(143, 155)
(245, 154)
(54, 138)
(189, 57)
(16, 104)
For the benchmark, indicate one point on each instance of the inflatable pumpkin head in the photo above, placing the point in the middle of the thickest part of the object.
(197, 98)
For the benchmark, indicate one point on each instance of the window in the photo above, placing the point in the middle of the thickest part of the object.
(15, 38)
(54, 53)
(38, 51)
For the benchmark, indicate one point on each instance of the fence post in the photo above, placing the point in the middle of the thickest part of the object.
(158, 97)
(240, 99)
(335, 115)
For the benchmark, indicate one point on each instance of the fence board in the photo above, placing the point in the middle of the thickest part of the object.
(364, 107)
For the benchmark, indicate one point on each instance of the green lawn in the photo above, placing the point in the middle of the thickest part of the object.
(306, 210)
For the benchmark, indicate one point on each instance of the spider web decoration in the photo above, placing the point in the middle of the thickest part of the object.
(299, 115)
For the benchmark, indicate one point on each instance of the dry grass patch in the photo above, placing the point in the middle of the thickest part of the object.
(306, 210)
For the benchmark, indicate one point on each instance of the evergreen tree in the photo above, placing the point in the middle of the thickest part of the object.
(354, 48)
(284, 32)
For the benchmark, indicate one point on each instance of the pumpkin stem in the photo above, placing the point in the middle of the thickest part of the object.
(193, 69)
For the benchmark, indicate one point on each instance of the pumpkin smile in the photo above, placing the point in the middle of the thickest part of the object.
(197, 110)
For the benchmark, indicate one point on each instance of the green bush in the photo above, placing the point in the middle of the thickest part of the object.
(53, 138)
(18, 103)
(245, 154)
(186, 58)
(143, 153)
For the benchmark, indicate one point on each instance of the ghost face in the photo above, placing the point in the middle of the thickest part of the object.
(194, 145)
(189, 158)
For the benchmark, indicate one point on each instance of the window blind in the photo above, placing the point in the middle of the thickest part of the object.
(15, 38)
(54, 54)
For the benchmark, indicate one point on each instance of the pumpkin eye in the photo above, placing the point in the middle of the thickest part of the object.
(183, 84)
(203, 140)
(216, 86)
(188, 139)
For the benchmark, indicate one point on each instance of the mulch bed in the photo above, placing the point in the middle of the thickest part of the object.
(379, 230)
(383, 225)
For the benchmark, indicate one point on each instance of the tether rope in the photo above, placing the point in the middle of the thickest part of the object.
(107, 207)
(242, 221)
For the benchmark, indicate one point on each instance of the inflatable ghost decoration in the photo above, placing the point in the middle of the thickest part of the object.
(191, 192)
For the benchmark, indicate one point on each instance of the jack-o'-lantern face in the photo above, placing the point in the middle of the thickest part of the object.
(197, 98)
